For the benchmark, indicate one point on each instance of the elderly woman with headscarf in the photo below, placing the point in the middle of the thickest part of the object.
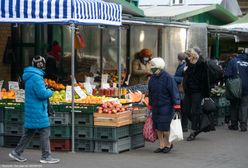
(195, 87)
(163, 97)
(141, 68)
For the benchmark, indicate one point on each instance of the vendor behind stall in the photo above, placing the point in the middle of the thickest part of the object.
(141, 67)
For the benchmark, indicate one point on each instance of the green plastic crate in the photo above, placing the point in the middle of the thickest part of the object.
(118, 146)
(136, 128)
(60, 118)
(82, 145)
(13, 129)
(111, 133)
(60, 131)
(84, 119)
(137, 141)
(11, 114)
(34, 143)
(83, 132)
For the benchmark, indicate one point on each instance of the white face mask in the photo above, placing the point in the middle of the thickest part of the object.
(146, 59)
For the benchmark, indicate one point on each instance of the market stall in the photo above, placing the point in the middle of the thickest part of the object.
(62, 12)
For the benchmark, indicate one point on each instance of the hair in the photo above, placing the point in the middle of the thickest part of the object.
(158, 63)
(145, 52)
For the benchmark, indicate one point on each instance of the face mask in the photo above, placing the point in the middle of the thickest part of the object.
(154, 70)
(146, 59)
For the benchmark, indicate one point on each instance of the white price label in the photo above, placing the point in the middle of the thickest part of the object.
(80, 92)
(104, 78)
(68, 93)
(13, 85)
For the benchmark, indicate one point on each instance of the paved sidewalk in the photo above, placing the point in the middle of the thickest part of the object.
(219, 149)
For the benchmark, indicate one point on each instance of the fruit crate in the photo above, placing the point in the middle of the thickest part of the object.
(139, 115)
(136, 128)
(60, 144)
(82, 145)
(13, 129)
(113, 120)
(85, 119)
(137, 141)
(11, 114)
(84, 132)
(60, 131)
(118, 146)
(34, 143)
(111, 133)
(82, 108)
(60, 118)
(11, 141)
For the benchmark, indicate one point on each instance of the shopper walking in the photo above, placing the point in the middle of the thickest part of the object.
(239, 115)
(163, 96)
(36, 112)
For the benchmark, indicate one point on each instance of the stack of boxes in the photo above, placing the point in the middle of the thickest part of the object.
(221, 116)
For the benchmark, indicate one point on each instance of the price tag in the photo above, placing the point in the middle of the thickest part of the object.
(13, 85)
(1, 84)
(80, 92)
(68, 93)
(104, 78)
(88, 88)
(20, 95)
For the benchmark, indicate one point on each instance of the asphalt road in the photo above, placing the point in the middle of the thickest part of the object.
(219, 149)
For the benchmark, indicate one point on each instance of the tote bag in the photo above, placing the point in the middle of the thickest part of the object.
(149, 133)
(233, 88)
(176, 132)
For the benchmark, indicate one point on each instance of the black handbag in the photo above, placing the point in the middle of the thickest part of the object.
(50, 109)
(208, 106)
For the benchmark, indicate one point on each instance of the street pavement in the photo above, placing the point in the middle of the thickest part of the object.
(218, 149)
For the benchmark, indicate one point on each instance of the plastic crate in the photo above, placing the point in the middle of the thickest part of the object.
(219, 121)
(13, 129)
(111, 133)
(1, 140)
(34, 143)
(60, 131)
(136, 129)
(60, 144)
(1, 114)
(84, 132)
(1, 128)
(137, 141)
(82, 108)
(60, 118)
(82, 145)
(13, 115)
(83, 119)
(121, 145)
(11, 141)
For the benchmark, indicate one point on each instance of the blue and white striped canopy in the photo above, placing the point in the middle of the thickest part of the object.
(60, 11)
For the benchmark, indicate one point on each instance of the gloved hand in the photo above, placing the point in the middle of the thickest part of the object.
(177, 107)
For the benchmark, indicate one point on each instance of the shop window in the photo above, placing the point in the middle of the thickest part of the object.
(28, 33)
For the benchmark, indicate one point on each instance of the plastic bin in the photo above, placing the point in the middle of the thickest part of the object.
(111, 133)
(60, 118)
(84, 132)
(83, 119)
(13, 129)
(11, 141)
(82, 145)
(60, 131)
(60, 144)
(121, 145)
(13, 115)
(137, 141)
(136, 129)
(34, 143)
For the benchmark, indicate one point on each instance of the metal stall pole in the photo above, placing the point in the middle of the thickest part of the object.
(72, 27)
(119, 60)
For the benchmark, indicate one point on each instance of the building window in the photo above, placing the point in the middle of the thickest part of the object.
(177, 2)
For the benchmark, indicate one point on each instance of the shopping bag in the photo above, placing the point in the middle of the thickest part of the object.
(233, 88)
(208, 106)
(176, 131)
(148, 132)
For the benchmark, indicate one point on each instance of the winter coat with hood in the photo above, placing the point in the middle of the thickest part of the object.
(36, 95)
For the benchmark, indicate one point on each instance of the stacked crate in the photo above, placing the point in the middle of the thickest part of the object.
(84, 128)
(111, 132)
(60, 138)
(222, 114)
(13, 124)
(1, 124)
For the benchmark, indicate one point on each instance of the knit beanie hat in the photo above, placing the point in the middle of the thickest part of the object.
(39, 62)
(158, 63)
(181, 56)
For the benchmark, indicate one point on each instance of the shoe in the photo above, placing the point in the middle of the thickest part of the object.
(243, 129)
(17, 157)
(171, 147)
(233, 127)
(50, 160)
(159, 150)
(167, 149)
(191, 137)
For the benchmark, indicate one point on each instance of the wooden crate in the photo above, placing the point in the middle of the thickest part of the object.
(114, 120)
(139, 116)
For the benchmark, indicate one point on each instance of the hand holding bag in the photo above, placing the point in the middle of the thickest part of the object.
(208, 106)
(149, 133)
(176, 131)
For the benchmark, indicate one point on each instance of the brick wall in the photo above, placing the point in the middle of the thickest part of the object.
(5, 31)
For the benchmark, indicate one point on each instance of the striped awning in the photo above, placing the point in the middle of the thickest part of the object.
(60, 12)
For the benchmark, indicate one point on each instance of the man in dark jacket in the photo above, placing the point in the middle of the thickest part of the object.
(239, 64)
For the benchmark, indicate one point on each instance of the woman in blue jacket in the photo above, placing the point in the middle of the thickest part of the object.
(35, 112)
(163, 95)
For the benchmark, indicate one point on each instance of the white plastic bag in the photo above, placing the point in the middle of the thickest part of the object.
(176, 131)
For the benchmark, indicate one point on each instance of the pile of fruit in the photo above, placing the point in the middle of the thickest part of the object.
(136, 96)
(53, 85)
(10, 94)
(111, 107)
(93, 100)
(58, 96)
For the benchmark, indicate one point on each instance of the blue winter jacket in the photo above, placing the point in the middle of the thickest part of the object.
(240, 61)
(36, 96)
(163, 91)
(179, 73)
